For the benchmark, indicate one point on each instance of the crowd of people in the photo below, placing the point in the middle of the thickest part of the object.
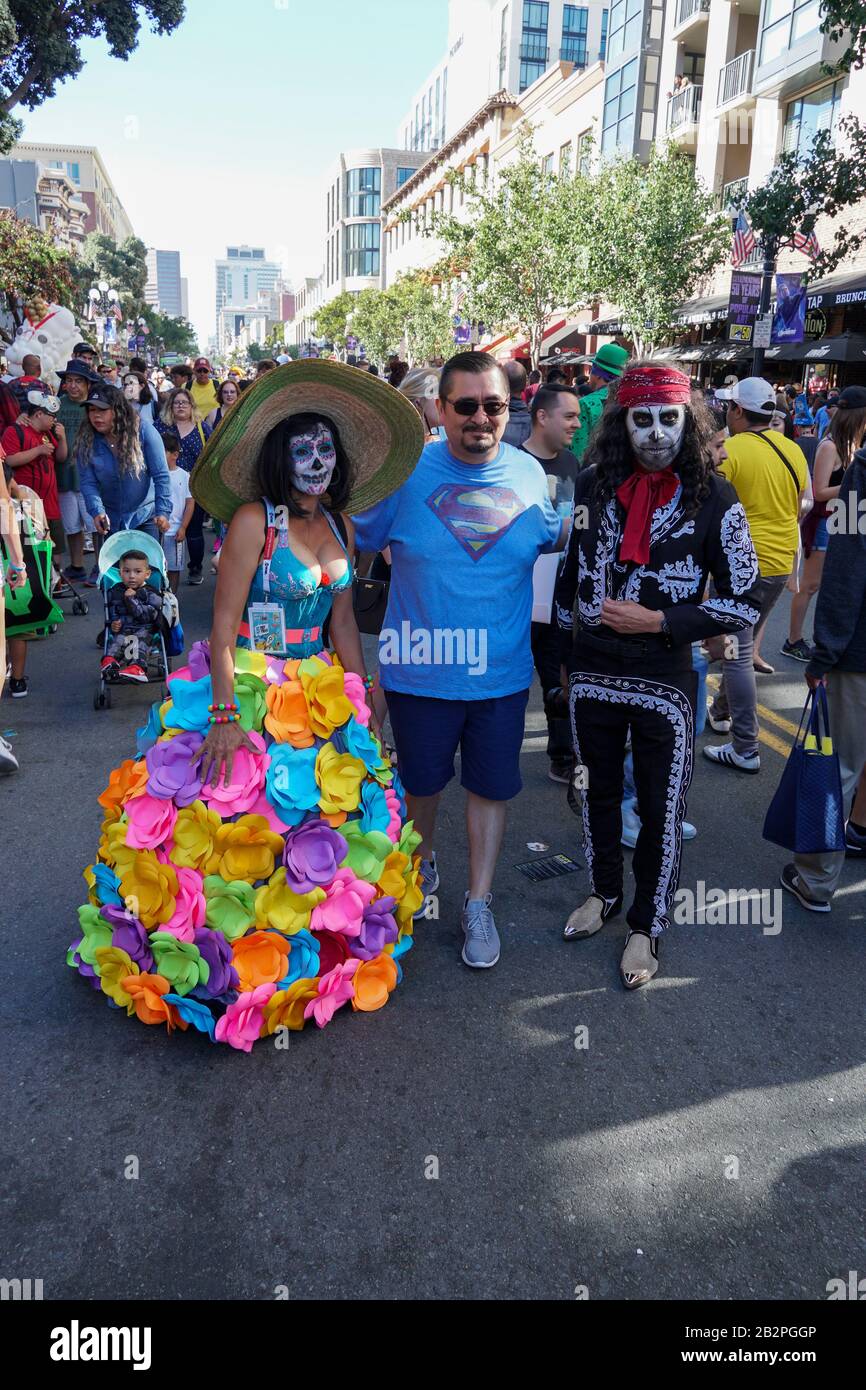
(683, 517)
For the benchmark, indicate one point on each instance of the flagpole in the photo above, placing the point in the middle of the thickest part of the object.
(771, 251)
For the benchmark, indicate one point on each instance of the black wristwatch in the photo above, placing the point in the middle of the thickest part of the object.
(665, 631)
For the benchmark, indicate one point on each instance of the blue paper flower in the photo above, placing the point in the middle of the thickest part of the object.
(106, 885)
(361, 744)
(375, 814)
(150, 733)
(191, 702)
(303, 959)
(199, 1015)
(291, 785)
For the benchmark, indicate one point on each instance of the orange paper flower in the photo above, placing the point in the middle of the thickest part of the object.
(374, 980)
(285, 1009)
(149, 889)
(288, 719)
(145, 992)
(126, 781)
(248, 848)
(260, 959)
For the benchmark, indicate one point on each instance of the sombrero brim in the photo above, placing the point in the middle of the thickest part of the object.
(381, 431)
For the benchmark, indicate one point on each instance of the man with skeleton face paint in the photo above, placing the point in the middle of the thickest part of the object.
(653, 522)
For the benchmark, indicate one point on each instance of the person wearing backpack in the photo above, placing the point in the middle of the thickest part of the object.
(180, 416)
(771, 478)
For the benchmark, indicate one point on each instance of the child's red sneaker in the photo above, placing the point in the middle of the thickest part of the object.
(108, 667)
(133, 673)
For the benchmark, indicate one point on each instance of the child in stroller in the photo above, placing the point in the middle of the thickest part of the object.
(140, 613)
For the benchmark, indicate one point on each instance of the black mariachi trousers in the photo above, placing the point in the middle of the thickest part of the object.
(646, 688)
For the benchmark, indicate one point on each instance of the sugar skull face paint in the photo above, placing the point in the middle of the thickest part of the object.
(656, 434)
(314, 458)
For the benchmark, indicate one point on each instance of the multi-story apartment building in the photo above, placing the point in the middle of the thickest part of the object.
(45, 197)
(83, 164)
(357, 185)
(164, 288)
(241, 275)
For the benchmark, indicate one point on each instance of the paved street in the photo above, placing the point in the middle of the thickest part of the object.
(602, 1167)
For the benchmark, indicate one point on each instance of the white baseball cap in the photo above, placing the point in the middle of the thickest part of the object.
(753, 393)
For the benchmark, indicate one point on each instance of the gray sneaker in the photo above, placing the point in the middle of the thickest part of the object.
(481, 947)
(428, 883)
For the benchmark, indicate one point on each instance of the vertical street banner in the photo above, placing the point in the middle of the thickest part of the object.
(789, 320)
(743, 305)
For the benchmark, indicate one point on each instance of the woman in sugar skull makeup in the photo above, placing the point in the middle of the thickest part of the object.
(653, 523)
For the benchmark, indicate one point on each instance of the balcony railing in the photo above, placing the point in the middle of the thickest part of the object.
(735, 78)
(732, 194)
(574, 52)
(686, 9)
(684, 107)
(534, 53)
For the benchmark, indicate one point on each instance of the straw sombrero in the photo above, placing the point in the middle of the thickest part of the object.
(381, 431)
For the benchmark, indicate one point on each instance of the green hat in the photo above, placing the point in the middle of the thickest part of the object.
(611, 358)
(381, 431)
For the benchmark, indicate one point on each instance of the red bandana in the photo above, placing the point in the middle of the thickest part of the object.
(653, 386)
(641, 495)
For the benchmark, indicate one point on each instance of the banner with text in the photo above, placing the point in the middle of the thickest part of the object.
(743, 306)
(789, 321)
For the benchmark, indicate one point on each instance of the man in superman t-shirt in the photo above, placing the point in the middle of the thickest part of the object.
(464, 532)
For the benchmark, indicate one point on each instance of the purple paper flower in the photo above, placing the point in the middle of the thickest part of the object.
(312, 856)
(217, 951)
(130, 936)
(199, 661)
(378, 929)
(172, 777)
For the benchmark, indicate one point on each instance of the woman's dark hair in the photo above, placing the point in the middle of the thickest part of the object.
(847, 430)
(275, 464)
(611, 453)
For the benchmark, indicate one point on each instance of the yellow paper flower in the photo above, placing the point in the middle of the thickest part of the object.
(325, 692)
(277, 906)
(195, 836)
(149, 889)
(248, 848)
(285, 1009)
(114, 850)
(392, 883)
(288, 719)
(126, 781)
(339, 776)
(115, 966)
(412, 899)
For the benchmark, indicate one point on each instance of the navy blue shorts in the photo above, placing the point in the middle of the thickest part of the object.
(489, 734)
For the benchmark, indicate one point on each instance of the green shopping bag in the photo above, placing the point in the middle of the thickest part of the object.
(30, 608)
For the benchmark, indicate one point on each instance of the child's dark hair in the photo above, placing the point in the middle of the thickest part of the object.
(171, 442)
(275, 464)
(135, 555)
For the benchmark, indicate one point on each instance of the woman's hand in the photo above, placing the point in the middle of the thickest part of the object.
(16, 577)
(630, 617)
(162, 524)
(102, 524)
(217, 753)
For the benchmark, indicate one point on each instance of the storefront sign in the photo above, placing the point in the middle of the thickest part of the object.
(789, 323)
(743, 306)
(816, 323)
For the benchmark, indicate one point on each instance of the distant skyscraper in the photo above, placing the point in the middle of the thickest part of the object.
(240, 277)
(163, 288)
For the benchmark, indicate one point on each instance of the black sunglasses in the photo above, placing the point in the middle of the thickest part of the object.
(468, 406)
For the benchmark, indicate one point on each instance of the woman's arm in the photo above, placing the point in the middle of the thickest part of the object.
(826, 459)
(9, 528)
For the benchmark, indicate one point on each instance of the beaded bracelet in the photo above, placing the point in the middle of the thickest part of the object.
(226, 708)
(370, 683)
(223, 719)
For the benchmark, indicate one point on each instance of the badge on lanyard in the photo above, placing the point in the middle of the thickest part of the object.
(267, 628)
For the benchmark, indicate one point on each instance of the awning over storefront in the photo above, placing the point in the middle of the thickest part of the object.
(845, 347)
(838, 291)
(705, 352)
(699, 311)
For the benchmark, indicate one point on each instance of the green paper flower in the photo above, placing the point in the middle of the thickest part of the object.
(367, 853)
(179, 962)
(231, 907)
(409, 840)
(250, 695)
(96, 933)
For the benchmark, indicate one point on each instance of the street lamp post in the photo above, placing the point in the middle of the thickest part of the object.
(771, 251)
(103, 298)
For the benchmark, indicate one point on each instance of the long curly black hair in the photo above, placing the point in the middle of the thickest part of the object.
(611, 454)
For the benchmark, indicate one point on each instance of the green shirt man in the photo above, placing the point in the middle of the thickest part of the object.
(608, 365)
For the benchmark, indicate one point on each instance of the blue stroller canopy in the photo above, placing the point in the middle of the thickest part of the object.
(117, 545)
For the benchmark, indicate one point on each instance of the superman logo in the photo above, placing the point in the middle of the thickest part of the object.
(476, 517)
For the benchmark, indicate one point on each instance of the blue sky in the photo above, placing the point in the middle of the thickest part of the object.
(223, 132)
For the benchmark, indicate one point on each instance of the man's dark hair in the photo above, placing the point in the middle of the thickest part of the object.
(754, 417)
(583, 388)
(476, 363)
(372, 369)
(555, 376)
(610, 452)
(180, 369)
(137, 364)
(171, 442)
(275, 464)
(534, 377)
(548, 397)
(516, 374)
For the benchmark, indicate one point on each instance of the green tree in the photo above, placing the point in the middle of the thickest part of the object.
(123, 266)
(644, 236)
(428, 326)
(377, 324)
(516, 247)
(40, 44)
(31, 264)
(331, 319)
(846, 19)
(176, 334)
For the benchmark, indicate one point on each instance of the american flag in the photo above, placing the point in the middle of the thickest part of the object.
(459, 300)
(744, 241)
(808, 244)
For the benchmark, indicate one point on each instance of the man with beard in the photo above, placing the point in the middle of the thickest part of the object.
(659, 524)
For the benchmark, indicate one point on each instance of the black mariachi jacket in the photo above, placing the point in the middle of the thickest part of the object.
(684, 554)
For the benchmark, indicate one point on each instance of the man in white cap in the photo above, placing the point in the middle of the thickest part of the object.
(771, 478)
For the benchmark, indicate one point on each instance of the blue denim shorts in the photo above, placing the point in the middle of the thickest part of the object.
(489, 734)
(822, 537)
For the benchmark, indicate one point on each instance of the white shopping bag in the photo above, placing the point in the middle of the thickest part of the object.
(544, 578)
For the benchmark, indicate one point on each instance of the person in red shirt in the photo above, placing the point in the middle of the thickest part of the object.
(32, 446)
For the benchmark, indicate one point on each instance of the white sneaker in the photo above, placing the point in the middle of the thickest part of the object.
(724, 754)
(718, 726)
(8, 760)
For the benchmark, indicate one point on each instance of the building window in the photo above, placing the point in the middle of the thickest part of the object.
(534, 53)
(785, 23)
(503, 47)
(575, 22)
(565, 153)
(438, 117)
(363, 192)
(584, 151)
(603, 50)
(362, 248)
(620, 96)
(626, 24)
(403, 175)
(547, 165)
(809, 115)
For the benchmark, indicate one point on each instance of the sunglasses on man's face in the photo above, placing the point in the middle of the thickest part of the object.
(468, 406)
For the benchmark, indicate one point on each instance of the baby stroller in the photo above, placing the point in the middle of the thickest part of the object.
(110, 555)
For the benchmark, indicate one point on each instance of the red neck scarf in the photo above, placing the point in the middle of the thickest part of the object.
(641, 495)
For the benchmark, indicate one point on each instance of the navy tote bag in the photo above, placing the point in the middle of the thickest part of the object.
(807, 814)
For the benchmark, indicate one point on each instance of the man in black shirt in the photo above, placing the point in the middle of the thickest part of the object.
(555, 417)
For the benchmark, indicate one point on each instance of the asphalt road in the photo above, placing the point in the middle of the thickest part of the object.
(707, 1143)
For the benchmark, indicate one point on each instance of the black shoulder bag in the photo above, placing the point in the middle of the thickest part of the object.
(369, 596)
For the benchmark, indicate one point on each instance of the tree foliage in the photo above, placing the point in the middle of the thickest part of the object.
(331, 319)
(30, 264)
(376, 323)
(645, 235)
(428, 325)
(177, 334)
(40, 44)
(846, 19)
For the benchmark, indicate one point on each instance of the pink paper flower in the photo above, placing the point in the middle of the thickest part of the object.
(191, 906)
(343, 909)
(151, 821)
(356, 695)
(395, 828)
(264, 808)
(335, 990)
(241, 1023)
(248, 780)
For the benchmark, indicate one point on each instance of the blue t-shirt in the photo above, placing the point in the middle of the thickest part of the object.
(464, 540)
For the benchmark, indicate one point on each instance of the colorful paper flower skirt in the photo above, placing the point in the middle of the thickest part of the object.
(247, 909)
